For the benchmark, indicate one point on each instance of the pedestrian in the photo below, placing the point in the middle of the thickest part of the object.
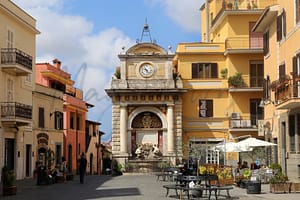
(64, 168)
(82, 167)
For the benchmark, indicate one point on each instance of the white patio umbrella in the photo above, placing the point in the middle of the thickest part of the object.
(231, 147)
(253, 142)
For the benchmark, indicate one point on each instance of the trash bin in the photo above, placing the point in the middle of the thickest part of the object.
(253, 187)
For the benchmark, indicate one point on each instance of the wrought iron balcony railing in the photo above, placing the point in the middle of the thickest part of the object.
(12, 110)
(16, 56)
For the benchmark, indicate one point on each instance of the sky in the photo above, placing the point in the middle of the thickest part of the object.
(87, 36)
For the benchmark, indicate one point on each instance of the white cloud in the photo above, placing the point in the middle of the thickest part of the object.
(185, 13)
(102, 48)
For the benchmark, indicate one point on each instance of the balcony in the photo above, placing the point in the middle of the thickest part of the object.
(16, 62)
(248, 84)
(14, 113)
(243, 45)
(243, 125)
(287, 92)
(223, 8)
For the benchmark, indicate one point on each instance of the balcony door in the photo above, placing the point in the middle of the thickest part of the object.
(256, 112)
(256, 39)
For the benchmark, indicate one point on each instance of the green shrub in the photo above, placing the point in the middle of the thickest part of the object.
(8, 177)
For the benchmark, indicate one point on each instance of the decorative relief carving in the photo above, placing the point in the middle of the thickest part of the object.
(146, 120)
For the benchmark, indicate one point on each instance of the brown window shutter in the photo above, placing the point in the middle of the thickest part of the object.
(194, 70)
(209, 107)
(214, 70)
(41, 118)
(279, 36)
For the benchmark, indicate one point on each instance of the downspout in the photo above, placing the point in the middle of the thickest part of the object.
(207, 20)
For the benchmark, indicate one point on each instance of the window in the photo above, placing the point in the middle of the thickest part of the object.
(205, 108)
(72, 120)
(41, 118)
(292, 133)
(297, 8)
(256, 112)
(58, 123)
(204, 70)
(266, 42)
(256, 73)
(282, 75)
(281, 26)
(78, 122)
(296, 65)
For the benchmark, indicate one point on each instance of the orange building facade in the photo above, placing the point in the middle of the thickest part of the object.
(74, 109)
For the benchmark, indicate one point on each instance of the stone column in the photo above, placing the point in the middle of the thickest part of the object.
(123, 129)
(170, 118)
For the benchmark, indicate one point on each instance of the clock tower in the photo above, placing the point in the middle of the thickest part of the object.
(146, 94)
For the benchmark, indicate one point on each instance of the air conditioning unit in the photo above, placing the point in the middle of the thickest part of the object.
(246, 123)
(235, 123)
(235, 115)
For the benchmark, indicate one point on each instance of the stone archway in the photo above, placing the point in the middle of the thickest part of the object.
(146, 139)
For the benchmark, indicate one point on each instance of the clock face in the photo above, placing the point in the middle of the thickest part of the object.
(146, 70)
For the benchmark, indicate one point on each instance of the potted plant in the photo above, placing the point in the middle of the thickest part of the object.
(236, 80)
(224, 72)
(278, 182)
(8, 182)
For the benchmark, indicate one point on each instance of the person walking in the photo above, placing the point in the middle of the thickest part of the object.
(82, 167)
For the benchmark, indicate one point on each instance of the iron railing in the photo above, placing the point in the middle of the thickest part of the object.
(16, 56)
(13, 110)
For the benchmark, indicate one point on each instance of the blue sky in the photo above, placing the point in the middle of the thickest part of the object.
(87, 36)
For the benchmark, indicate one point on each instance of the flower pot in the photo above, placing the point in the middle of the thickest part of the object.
(280, 187)
(9, 190)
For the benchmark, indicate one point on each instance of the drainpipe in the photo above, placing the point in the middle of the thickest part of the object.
(207, 20)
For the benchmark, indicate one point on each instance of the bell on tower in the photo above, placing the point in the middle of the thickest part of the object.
(145, 33)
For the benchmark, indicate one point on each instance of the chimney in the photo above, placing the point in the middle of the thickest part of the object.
(56, 63)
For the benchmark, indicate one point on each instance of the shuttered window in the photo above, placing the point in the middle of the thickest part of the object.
(206, 108)
(204, 70)
(282, 72)
(41, 117)
(58, 123)
(266, 43)
(281, 26)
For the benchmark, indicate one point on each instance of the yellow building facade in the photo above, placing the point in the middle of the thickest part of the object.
(18, 49)
(224, 77)
(280, 24)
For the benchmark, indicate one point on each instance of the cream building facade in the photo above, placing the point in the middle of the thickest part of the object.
(280, 24)
(47, 127)
(18, 49)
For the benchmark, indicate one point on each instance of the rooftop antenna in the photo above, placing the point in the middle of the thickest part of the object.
(146, 32)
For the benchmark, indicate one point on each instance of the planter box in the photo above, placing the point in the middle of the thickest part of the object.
(9, 190)
(228, 181)
(295, 187)
(280, 187)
